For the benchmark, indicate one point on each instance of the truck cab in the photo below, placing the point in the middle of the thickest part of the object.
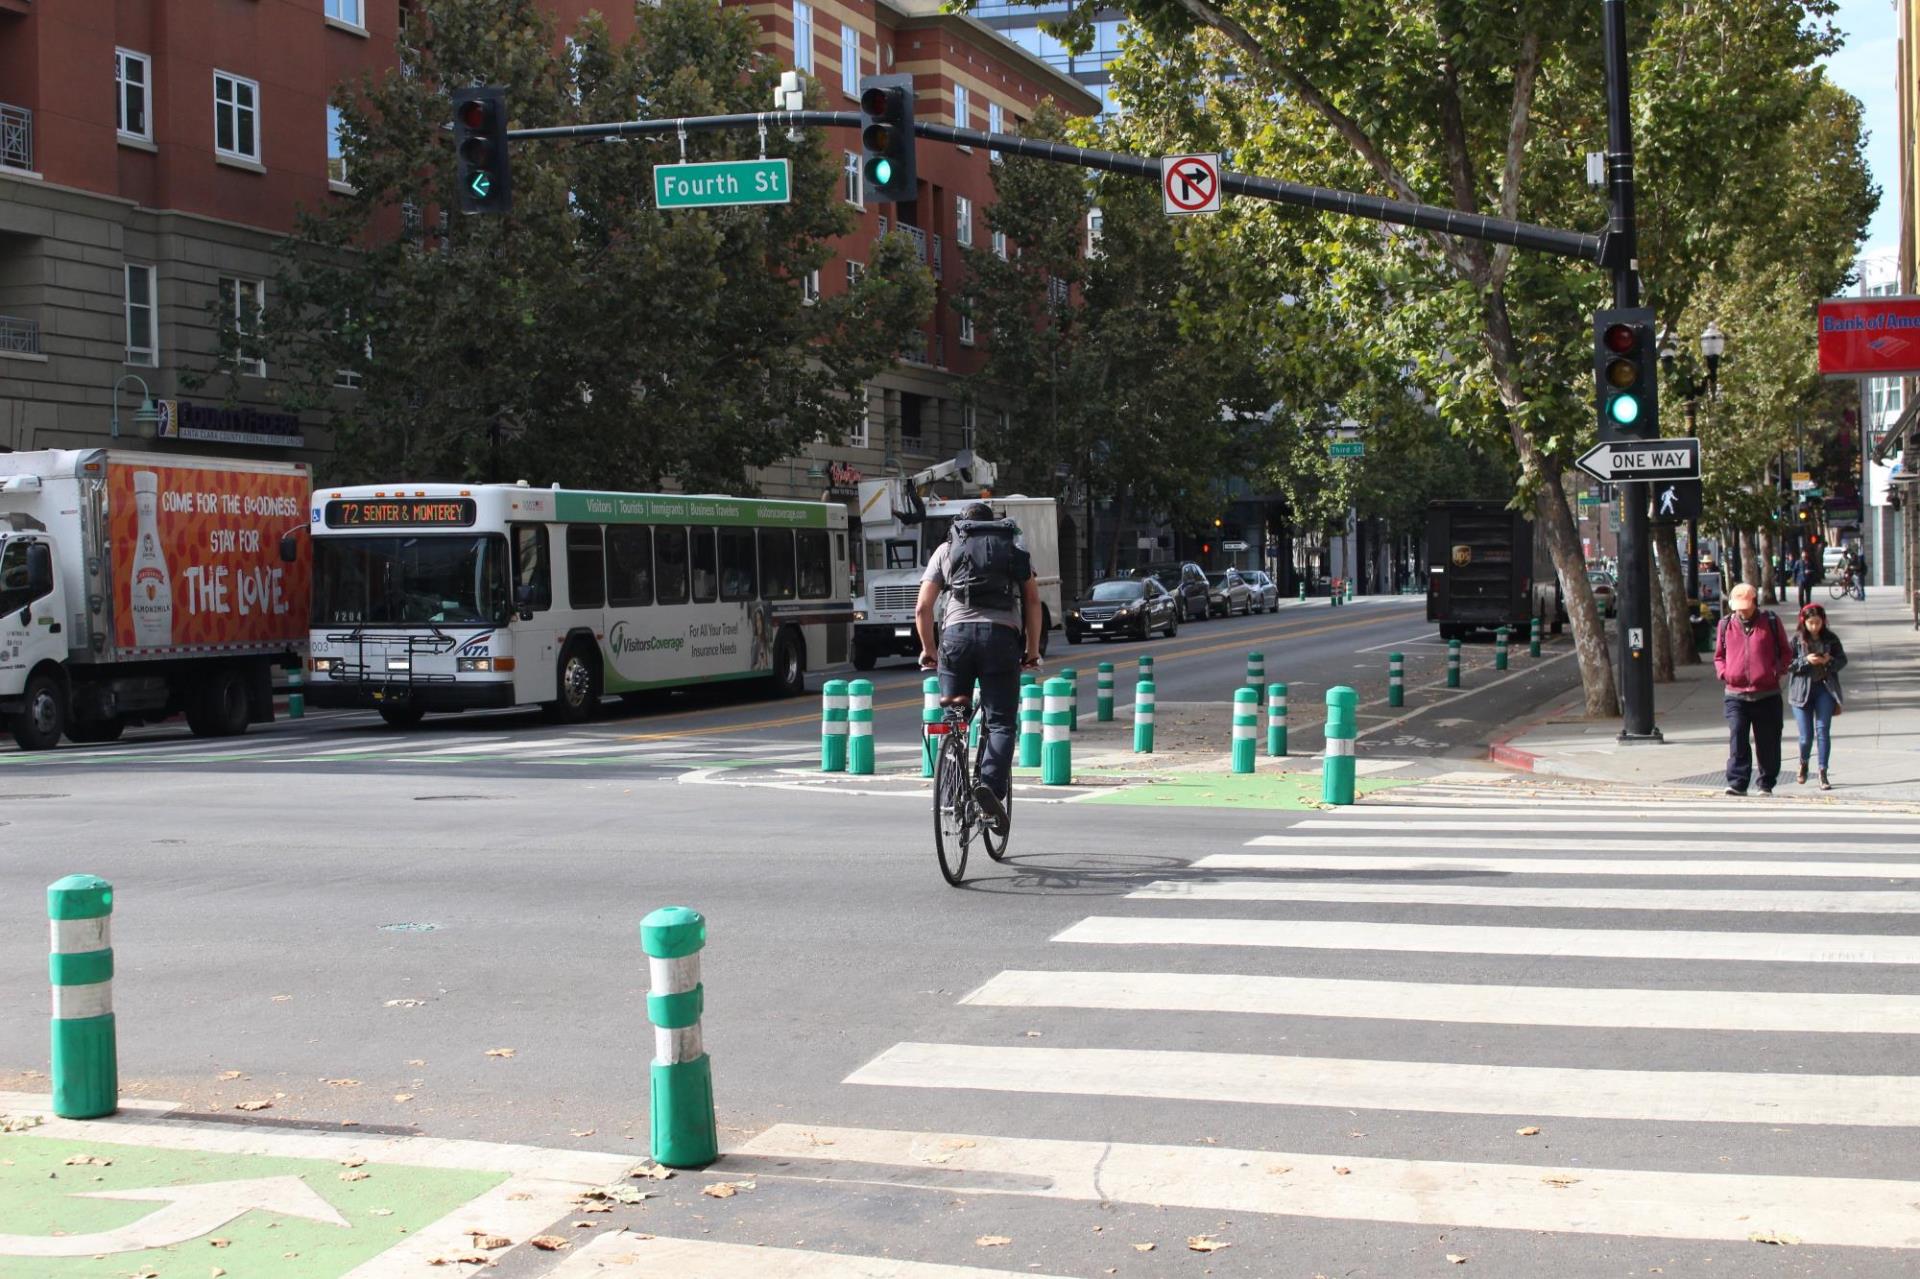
(32, 645)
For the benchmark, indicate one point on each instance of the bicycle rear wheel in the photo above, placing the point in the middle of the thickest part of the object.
(996, 845)
(952, 809)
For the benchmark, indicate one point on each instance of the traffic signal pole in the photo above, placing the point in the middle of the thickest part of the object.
(1635, 619)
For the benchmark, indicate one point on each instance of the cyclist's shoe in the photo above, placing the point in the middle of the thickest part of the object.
(990, 805)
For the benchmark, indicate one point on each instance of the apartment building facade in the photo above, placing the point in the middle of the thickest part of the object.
(153, 152)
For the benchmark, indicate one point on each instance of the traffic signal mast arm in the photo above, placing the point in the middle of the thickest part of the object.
(1427, 217)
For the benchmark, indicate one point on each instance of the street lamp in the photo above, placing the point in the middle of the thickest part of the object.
(146, 415)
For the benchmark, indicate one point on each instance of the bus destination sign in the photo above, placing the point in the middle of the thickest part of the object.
(401, 512)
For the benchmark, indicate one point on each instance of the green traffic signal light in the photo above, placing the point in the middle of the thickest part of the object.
(1624, 409)
(880, 172)
(484, 177)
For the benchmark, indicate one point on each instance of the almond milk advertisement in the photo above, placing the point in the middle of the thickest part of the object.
(196, 556)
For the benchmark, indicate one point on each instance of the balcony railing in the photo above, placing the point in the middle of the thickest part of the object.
(914, 351)
(16, 137)
(939, 263)
(18, 336)
(918, 237)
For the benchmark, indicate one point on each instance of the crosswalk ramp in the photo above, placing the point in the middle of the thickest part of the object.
(1720, 968)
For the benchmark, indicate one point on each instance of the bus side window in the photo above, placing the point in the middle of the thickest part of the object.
(700, 558)
(629, 566)
(530, 566)
(737, 577)
(586, 567)
(776, 564)
(670, 563)
(816, 569)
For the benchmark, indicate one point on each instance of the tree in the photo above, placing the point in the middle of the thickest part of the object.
(587, 337)
(1486, 106)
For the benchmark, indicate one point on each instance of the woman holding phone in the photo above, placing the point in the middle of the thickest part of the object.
(1813, 686)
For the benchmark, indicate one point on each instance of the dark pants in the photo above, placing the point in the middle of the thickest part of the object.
(990, 653)
(1763, 719)
(1806, 594)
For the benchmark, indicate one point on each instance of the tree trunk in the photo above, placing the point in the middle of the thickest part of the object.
(1671, 581)
(1662, 650)
(1749, 559)
(1550, 508)
(1770, 585)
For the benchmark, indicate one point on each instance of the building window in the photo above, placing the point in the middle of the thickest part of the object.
(963, 221)
(348, 379)
(966, 339)
(996, 123)
(336, 158)
(410, 224)
(960, 112)
(1000, 245)
(854, 271)
(1096, 222)
(969, 422)
(236, 117)
(855, 191)
(857, 433)
(241, 302)
(133, 74)
(849, 61)
(347, 11)
(803, 37)
(142, 345)
(810, 288)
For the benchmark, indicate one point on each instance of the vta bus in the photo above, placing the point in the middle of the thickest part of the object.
(451, 597)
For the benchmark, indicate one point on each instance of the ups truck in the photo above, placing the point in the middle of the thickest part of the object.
(1488, 567)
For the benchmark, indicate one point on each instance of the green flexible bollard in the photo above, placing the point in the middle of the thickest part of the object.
(860, 728)
(833, 726)
(1073, 698)
(1276, 720)
(1303, 592)
(296, 694)
(1336, 778)
(1030, 725)
(929, 716)
(1246, 724)
(684, 1132)
(1396, 679)
(86, 1057)
(1146, 666)
(1143, 698)
(1256, 671)
(1453, 663)
(1056, 751)
(1533, 639)
(1103, 693)
(1500, 649)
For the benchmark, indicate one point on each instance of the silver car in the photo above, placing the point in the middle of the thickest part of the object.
(1266, 592)
(1227, 594)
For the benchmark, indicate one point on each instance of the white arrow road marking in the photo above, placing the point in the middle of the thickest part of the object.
(191, 1211)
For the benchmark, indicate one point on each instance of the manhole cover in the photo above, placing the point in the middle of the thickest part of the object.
(408, 928)
(428, 799)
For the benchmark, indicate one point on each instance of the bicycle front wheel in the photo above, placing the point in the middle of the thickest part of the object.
(1839, 590)
(952, 809)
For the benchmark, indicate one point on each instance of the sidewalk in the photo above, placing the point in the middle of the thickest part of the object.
(1876, 743)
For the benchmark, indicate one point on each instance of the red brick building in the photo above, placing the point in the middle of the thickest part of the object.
(152, 152)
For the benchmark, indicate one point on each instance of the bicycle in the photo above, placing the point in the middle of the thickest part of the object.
(956, 813)
(1841, 587)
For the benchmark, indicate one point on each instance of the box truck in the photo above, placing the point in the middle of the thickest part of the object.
(1488, 567)
(135, 587)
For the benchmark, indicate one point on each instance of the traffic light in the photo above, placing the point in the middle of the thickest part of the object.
(886, 138)
(1626, 369)
(480, 150)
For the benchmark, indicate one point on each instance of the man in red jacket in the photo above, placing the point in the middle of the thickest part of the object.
(1751, 655)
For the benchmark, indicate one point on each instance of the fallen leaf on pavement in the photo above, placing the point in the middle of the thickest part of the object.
(1457, 1258)
(581, 1132)
(416, 1061)
(1205, 1243)
(500, 1052)
(1143, 1247)
(725, 1189)
(281, 999)
(1343, 1172)
(551, 1243)
(481, 1239)
(585, 1225)
(353, 1161)
(518, 1196)
(379, 1212)
(1767, 1236)
(19, 1123)
(1562, 1182)
(218, 1243)
(355, 1174)
(617, 1193)
(98, 1160)
(217, 1272)
(252, 1105)
(229, 1074)
(341, 1083)
(1531, 1130)
(460, 1259)
(405, 1003)
(403, 1096)
(659, 1172)
(992, 1241)
(1279, 1169)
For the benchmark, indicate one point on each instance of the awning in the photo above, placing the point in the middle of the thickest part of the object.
(1896, 437)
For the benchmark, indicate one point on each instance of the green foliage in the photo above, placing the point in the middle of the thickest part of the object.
(586, 337)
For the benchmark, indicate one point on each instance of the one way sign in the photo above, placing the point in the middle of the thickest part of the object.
(1628, 461)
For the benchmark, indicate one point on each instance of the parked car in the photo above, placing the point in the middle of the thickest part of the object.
(1188, 585)
(1604, 593)
(1266, 592)
(1130, 606)
(1228, 593)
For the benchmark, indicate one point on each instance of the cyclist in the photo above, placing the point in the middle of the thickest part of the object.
(996, 601)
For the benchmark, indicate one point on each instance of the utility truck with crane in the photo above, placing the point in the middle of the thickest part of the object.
(904, 519)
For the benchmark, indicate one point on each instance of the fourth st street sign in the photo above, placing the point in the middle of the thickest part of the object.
(721, 182)
(1631, 461)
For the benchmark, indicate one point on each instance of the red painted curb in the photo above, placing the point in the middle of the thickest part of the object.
(1512, 757)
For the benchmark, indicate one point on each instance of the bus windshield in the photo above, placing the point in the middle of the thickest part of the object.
(410, 581)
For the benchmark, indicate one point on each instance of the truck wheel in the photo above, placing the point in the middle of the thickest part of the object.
(578, 685)
(42, 716)
(94, 731)
(789, 666)
(408, 716)
(218, 706)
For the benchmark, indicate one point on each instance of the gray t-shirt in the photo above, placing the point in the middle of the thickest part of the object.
(959, 614)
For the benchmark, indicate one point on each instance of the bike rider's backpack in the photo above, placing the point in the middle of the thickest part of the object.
(986, 566)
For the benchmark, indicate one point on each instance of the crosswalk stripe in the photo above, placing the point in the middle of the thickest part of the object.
(1543, 865)
(644, 1254)
(1878, 1101)
(1415, 813)
(1667, 1205)
(1463, 939)
(1786, 842)
(1551, 824)
(1458, 1002)
(1783, 900)
(493, 746)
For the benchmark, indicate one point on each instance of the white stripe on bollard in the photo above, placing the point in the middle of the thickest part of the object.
(1339, 746)
(95, 1000)
(75, 936)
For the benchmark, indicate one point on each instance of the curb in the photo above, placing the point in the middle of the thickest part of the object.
(1501, 751)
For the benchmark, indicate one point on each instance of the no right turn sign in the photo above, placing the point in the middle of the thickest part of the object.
(1190, 183)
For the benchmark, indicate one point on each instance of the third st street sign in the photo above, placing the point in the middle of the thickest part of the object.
(1631, 461)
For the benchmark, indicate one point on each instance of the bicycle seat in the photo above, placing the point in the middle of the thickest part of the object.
(956, 699)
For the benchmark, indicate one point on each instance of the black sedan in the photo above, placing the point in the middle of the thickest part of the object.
(1133, 607)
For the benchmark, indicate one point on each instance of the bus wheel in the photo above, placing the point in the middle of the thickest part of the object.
(789, 666)
(578, 686)
(403, 716)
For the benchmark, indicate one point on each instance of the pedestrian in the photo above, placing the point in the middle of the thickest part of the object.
(1803, 578)
(1751, 653)
(1813, 686)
